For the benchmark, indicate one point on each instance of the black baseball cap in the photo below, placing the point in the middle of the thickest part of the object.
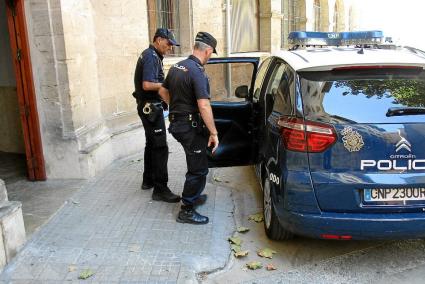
(207, 39)
(167, 34)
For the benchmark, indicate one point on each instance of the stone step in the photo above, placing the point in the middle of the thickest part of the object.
(12, 230)
(3, 191)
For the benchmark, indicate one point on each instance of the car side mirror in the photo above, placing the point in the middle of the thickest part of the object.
(242, 92)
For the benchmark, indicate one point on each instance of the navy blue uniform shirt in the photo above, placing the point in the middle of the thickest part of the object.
(149, 68)
(187, 82)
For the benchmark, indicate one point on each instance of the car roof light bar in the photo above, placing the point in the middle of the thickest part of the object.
(303, 38)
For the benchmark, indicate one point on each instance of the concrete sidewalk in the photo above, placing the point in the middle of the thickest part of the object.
(114, 229)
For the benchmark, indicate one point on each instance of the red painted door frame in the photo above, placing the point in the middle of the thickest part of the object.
(25, 88)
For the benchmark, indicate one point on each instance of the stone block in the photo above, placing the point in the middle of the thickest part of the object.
(3, 191)
(12, 229)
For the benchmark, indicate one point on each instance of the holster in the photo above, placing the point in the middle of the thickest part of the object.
(152, 110)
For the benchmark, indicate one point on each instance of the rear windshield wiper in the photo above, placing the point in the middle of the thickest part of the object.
(396, 111)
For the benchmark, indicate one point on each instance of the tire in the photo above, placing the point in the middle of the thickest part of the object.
(273, 228)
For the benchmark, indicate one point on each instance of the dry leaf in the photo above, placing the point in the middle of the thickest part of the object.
(270, 266)
(235, 240)
(72, 268)
(86, 273)
(134, 248)
(242, 229)
(235, 248)
(240, 253)
(217, 179)
(254, 265)
(256, 217)
(266, 252)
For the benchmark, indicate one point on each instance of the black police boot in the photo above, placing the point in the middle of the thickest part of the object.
(201, 200)
(165, 194)
(146, 185)
(188, 214)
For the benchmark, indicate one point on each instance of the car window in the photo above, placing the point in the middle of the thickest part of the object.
(275, 79)
(240, 74)
(362, 97)
(283, 102)
(272, 87)
(262, 71)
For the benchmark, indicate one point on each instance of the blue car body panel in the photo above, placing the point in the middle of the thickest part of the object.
(357, 225)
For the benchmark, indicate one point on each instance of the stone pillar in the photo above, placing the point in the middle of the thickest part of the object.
(186, 26)
(270, 25)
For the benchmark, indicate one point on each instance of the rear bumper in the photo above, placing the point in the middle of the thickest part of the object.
(359, 226)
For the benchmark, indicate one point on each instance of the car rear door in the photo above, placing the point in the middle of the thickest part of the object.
(233, 116)
(377, 161)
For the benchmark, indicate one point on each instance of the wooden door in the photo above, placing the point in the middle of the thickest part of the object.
(25, 89)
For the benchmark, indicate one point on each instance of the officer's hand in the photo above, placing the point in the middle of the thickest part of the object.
(164, 105)
(213, 141)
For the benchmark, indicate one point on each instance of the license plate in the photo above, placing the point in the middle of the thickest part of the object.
(394, 194)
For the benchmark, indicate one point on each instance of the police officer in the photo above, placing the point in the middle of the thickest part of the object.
(187, 91)
(148, 78)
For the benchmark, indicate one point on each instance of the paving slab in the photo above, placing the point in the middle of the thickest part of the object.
(116, 230)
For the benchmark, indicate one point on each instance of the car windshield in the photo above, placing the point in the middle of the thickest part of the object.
(366, 96)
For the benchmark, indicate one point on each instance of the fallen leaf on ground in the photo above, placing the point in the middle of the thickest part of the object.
(235, 248)
(72, 268)
(266, 252)
(254, 265)
(86, 273)
(256, 217)
(235, 240)
(270, 266)
(240, 253)
(242, 229)
(134, 248)
(217, 179)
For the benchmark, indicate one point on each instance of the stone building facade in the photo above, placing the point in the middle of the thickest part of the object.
(83, 55)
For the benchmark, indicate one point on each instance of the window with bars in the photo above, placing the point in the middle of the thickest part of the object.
(291, 19)
(336, 18)
(316, 7)
(164, 14)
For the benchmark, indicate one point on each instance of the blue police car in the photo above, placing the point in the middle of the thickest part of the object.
(336, 129)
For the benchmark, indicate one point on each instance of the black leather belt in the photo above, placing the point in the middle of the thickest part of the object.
(184, 116)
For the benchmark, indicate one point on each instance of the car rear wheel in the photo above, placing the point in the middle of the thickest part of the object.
(273, 228)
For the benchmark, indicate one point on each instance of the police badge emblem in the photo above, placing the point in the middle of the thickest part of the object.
(353, 141)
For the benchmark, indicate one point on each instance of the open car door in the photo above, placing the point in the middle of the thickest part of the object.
(231, 86)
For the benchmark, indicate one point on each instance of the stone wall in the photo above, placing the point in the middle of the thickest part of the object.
(209, 16)
(84, 54)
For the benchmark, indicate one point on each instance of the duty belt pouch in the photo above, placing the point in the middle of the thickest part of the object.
(199, 125)
(152, 111)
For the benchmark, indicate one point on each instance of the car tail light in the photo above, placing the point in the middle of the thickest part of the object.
(306, 136)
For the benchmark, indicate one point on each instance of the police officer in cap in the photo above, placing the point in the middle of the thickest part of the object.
(186, 90)
(148, 78)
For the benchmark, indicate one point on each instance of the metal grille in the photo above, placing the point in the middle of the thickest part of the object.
(336, 18)
(164, 14)
(316, 7)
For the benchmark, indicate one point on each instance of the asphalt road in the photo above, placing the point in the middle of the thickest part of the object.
(304, 260)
